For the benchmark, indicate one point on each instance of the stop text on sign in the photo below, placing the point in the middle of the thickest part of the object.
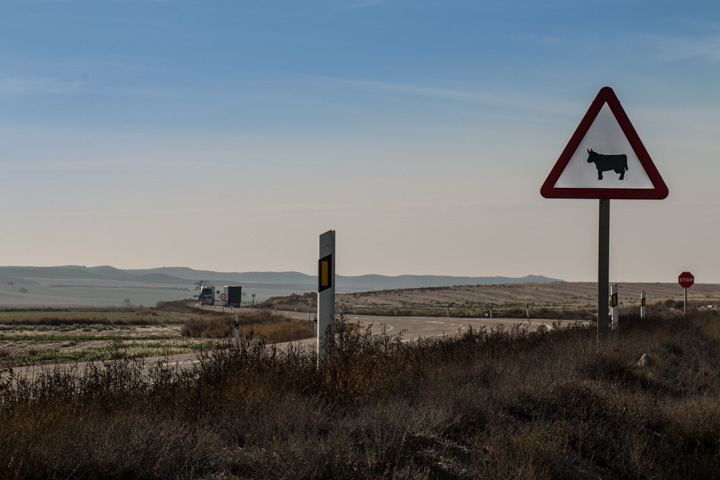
(686, 279)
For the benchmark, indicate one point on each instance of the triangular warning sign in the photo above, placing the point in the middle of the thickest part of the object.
(605, 158)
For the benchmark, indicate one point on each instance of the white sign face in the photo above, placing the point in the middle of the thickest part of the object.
(607, 168)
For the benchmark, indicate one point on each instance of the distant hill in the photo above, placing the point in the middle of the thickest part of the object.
(106, 285)
(184, 275)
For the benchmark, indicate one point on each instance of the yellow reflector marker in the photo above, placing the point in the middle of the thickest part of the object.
(325, 273)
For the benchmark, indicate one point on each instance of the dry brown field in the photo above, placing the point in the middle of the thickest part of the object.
(548, 294)
(48, 336)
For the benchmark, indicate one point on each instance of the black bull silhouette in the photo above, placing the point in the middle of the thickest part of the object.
(618, 163)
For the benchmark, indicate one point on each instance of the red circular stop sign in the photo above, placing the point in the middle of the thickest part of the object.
(686, 279)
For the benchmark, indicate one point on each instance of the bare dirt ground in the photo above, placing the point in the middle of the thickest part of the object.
(552, 294)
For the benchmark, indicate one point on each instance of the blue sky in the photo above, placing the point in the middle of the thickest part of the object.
(228, 135)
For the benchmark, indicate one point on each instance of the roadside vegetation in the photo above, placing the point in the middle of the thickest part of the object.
(558, 312)
(259, 324)
(542, 311)
(42, 336)
(502, 403)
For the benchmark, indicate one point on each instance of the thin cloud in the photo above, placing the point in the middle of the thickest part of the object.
(673, 49)
(38, 85)
(461, 93)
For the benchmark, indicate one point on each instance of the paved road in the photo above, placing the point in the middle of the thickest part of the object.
(416, 327)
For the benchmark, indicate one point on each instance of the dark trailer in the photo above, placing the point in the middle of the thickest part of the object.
(233, 296)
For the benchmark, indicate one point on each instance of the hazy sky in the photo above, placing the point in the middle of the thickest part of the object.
(228, 135)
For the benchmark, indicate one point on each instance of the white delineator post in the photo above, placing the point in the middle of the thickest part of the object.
(326, 296)
(614, 304)
(642, 305)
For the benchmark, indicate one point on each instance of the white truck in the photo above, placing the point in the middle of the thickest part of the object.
(207, 295)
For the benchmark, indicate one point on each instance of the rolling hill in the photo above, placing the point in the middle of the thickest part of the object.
(107, 285)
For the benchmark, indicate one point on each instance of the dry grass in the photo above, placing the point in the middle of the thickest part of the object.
(33, 336)
(260, 324)
(507, 403)
(545, 294)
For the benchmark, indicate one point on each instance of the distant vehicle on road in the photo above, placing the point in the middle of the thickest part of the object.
(233, 296)
(207, 295)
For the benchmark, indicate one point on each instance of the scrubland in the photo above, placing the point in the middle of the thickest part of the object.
(549, 300)
(54, 335)
(504, 403)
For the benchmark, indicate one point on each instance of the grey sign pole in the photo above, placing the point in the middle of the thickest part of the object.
(603, 271)
(326, 296)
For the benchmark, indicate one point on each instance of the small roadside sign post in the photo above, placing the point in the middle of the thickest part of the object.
(686, 280)
(614, 306)
(642, 305)
(604, 159)
(326, 296)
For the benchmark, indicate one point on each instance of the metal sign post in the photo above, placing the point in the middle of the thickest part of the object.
(604, 159)
(603, 271)
(326, 296)
(686, 280)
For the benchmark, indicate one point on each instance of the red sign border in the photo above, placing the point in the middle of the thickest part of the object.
(660, 190)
